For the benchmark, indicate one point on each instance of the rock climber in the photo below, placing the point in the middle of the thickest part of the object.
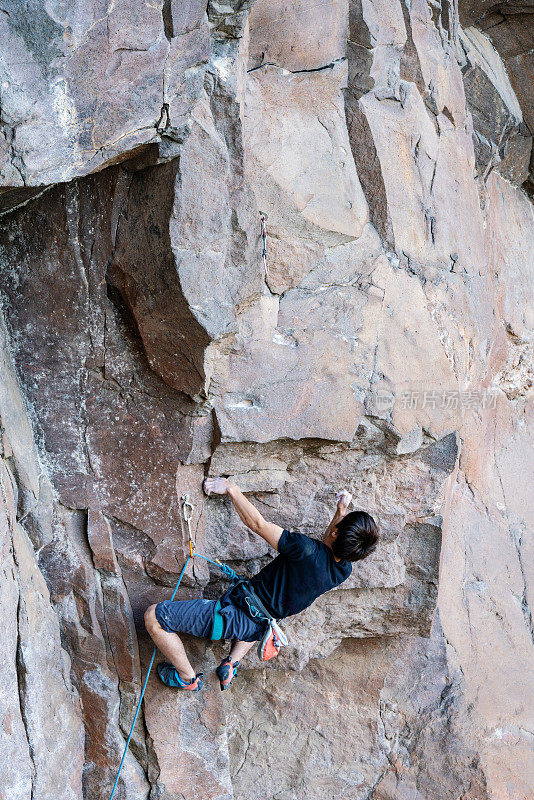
(304, 569)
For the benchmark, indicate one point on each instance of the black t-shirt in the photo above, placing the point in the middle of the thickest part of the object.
(303, 569)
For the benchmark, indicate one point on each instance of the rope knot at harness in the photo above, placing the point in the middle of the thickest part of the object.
(228, 571)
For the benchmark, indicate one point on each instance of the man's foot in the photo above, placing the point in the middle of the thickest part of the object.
(226, 672)
(169, 676)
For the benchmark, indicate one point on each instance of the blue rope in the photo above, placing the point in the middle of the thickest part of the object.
(233, 576)
(228, 571)
(143, 689)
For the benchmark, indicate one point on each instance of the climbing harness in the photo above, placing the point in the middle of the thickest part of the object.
(264, 239)
(273, 638)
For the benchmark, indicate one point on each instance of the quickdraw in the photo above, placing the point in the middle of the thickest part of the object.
(187, 511)
(264, 239)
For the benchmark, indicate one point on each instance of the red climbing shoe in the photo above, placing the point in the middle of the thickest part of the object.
(226, 672)
(170, 677)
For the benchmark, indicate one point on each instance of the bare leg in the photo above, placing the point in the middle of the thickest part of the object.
(170, 645)
(239, 650)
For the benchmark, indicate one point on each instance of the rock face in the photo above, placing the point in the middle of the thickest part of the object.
(387, 349)
(508, 27)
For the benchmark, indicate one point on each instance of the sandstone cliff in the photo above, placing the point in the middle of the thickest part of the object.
(387, 350)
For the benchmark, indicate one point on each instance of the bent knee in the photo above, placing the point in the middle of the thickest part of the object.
(151, 622)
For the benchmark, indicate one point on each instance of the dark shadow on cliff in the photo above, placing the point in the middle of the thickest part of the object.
(360, 59)
(143, 270)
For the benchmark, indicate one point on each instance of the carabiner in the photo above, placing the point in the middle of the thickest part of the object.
(186, 503)
(187, 510)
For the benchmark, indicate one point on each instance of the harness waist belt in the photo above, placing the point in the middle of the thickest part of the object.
(255, 600)
(217, 628)
(254, 603)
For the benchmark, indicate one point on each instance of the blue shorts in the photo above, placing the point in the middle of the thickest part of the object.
(196, 617)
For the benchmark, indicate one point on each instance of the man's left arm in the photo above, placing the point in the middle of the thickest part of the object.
(344, 500)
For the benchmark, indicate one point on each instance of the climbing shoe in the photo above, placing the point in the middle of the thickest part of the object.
(170, 677)
(226, 672)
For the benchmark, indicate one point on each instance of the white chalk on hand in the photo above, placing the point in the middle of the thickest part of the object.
(215, 485)
(344, 496)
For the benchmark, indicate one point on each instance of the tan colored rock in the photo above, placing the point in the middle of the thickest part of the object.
(420, 171)
(50, 708)
(194, 727)
(510, 256)
(296, 404)
(101, 541)
(437, 50)
(366, 717)
(487, 503)
(311, 194)
(297, 36)
(387, 33)
(413, 371)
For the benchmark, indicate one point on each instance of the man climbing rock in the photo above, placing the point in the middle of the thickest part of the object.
(304, 569)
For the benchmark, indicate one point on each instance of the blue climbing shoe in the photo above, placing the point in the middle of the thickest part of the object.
(169, 676)
(226, 672)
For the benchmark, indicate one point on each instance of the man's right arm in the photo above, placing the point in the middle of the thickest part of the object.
(247, 512)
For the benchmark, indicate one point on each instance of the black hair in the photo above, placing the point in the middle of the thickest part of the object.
(357, 536)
